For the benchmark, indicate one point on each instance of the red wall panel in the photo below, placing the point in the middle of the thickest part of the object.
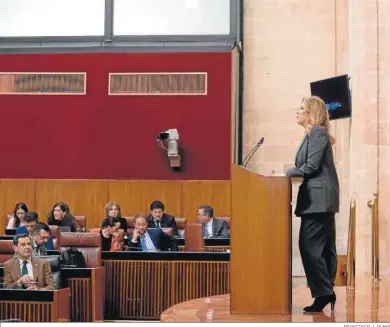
(101, 136)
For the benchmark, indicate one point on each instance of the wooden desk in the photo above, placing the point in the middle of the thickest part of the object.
(212, 244)
(86, 287)
(141, 285)
(35, 306)
(86, 291)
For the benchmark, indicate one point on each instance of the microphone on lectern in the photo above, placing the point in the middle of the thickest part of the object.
(252, 152)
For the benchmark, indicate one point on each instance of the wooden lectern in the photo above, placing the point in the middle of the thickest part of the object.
(260, 261)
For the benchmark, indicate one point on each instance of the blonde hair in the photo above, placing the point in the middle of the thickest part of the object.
(109, 205)
(318, 115)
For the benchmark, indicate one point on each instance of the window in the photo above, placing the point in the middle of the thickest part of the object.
(51, 18)
(171, 17)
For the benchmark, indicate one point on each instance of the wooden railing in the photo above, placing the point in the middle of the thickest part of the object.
(26, 311)
(351, 252)
(86, 293)
(373, 204)
(213, 248)
(211, 244)
(35, 306)
(81, 302)
(140, 286)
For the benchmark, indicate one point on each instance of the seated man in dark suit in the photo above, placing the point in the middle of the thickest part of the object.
(158, 218)
(25, 271)
(212, 227)
(29, 225)
(145, 239)
(40, 236)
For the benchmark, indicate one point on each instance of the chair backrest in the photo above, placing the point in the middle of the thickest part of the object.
(194, 241)
(181, 225)
(81, 222)
(6, 250)
(55, 265)
(130, 224)
(55, 236)
(89, 244)
(167, 230)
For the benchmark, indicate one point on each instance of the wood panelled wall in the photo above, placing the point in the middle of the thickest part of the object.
(88, 197)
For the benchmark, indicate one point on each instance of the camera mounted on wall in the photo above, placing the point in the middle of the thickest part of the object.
(171, 137)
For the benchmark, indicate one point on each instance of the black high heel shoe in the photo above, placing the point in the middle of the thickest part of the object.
(321, 302)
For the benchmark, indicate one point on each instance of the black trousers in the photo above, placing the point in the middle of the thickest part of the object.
(317, 244)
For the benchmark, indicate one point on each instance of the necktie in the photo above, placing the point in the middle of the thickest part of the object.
(158, 223)
(143, 243)
(24, 268)
(24, 271)
(206, 231)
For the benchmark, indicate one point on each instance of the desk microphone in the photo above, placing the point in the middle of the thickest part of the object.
(252, 152)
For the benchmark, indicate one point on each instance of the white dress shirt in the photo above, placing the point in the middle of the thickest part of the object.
(29, 267)
(149, 243)
(209, 228)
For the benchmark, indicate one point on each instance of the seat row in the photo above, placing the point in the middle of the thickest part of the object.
(81, 222)
(88, 243)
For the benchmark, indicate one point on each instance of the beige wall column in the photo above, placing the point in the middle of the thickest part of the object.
(383, 100)
(363, 160)
(384, 135)
(369, 172)
(341, 129)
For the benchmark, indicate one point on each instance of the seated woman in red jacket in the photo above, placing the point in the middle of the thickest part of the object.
(60, 216)
(118, 241)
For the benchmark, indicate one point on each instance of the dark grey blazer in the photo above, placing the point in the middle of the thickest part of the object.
(314, 162)
(220, 228)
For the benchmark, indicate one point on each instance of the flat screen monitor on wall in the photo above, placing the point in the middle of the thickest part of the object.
(335, 93)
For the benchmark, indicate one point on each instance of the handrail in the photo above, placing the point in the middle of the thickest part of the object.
(351, 251)
(373, 204)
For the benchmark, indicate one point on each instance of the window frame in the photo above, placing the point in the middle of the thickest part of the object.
(119, 43)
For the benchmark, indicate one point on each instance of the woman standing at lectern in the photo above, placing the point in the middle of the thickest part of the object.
(317, 203)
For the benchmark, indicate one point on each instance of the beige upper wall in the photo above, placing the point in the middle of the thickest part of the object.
(288, 44)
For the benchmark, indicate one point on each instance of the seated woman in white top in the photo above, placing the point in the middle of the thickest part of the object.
(15, 221)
